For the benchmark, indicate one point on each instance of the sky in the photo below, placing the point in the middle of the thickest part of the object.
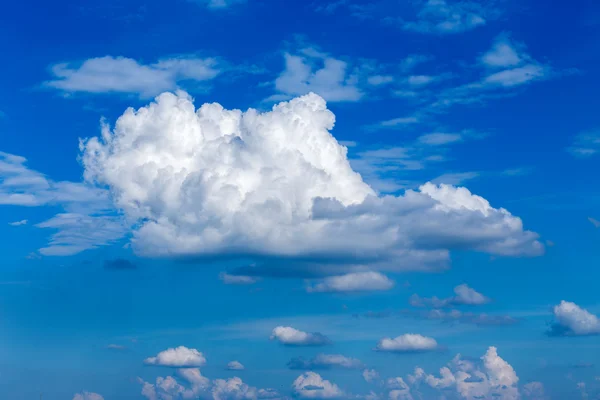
(259, 199)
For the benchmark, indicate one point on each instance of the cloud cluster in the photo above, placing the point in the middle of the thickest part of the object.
(464, 295)
(572, 320)
(325, 361)
(289, 336)
(407, 343)
(277, 184)
(125, 75)
(178, 357)
(447, 17)
(353, 282)
(586, 144)
(311, 385)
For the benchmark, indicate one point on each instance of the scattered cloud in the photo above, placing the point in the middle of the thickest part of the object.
(180, 357)
(125, 75)
(594, 222)
(169, 388)
(586, 144)
(18, 223)
(440, 138)
(464, 295)
(289, 336)
(235, 366)
(229, 279)
(310, 385)
(218, 4)
(116, 347)
(479, 319)
(572, 320)
(325, 361)
(456, 178)
(353, 282)
(447, 17)
(407, 343)
(534, 391)
(87, 396)
(119, 264)
(370, 375)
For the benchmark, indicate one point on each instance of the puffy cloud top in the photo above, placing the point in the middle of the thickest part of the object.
(354, 282)
(213, 181)
(179, 357)
(574, 320)
(310, 385)
(409, 342)
(293, 337)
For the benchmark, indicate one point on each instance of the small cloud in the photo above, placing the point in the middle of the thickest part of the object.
(325, 361)
(442, 18)
(87, 396)
(289, 336)
(594, 222)
(119, 264)
(440, 139)
(235, 366)
(116, 347)
(180, 357)
(464, 295)
(370, 375)
(407, 343)
(354, 282)
(572, 320)
(217, 4)
(394, 123)
(455, 179)
(18, 223)
(229, 279)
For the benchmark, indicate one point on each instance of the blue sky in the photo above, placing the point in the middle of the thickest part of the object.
(351, 199)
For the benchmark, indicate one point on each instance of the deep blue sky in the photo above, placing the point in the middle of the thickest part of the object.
(497, 96)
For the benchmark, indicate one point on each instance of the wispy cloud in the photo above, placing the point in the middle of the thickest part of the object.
(586, 144)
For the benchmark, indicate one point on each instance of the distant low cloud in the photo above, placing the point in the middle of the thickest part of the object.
(180, 357)
(18, 223)
(235, 366)
(407, 343)
(125, 75)
(87, 396)
(310, 385)
(447, 17)
(586, 144)
(325, 361)
(572, 320)
(229, 279)
(292, 337)
(464, 295)
(354, 282)
(119, 264)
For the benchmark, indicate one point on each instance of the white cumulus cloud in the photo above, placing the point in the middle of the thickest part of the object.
(409, 342)
(310, 385)
(210, 181)
(353, 282)
(293, 337)
(178, 357)
(570, 319)
(235, 366)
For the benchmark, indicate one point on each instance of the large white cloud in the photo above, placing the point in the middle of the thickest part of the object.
(353, 282)
(178, 357)
(293, 337)
(409, 342)
(574, 320)
(310, 385)
(276, 184)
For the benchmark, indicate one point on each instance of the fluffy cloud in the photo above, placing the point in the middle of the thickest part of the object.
(235, 366)
(325, 361)
(177, 357)
(464, 295)
(310, 385)
(407, 343)
(125, 75)
(353, 282)
(493, 377)
(212, 181)
(315, 71)
(169, 388)
(233, 389)
(87, 396)
(370, 375)
(572, 320)
(293, 337)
